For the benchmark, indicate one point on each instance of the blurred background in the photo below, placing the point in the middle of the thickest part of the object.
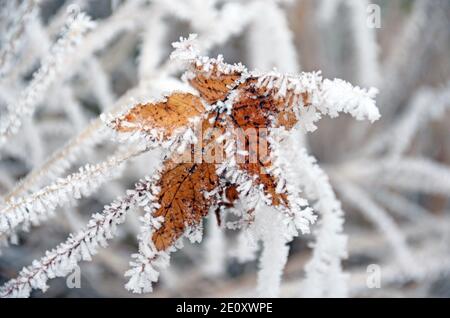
(392, 177)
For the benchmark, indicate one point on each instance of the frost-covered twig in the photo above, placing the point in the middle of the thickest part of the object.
(15, 34)
(308, 93)
(384, 223)
(327, 10)
(270, 228)
(270, 41)
(102, 88)
(245, 248)
(215, 249)
(61, 261)
(63, 158)
(40, 205)
(147, 263)
(340, 96)
(425, 26)
(60, 16)
(52, 68)
(401, 206)
(406, 174)
(60, 160)
(34, 141)
(365, 42)
(151, 48)
(324, 274)
(214, 25)
(426, 105)
(72, 107)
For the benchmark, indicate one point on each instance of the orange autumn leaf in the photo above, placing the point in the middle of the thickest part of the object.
(166, 116)
(184, 187)
(251, 110)
(214, 87)
(182, 199)
(253, 114)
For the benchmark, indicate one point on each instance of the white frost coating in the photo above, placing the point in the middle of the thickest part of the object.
(300, 214)
(215, 248)
(229, 21)
(417, 174)
(324, 275)
(368, 71)
(309, 108)
(311, 96)
(73, 109)
(418, 114)
(149, 136)
(384, 223)
(62, 260)
(245, 247)
(186, 49)
(270, 41)
(37, 207)
(148, 262)
(327, 10)
(409, 39)
(401, 206)
(215, 23)
(64, 157)
(426, 105)
(152, 43)
(365, 42)
(307, 93)
(12, 38)
(406, 174)
(341, 96)
(52, 68)
(102, 88)
(270, 228)
(274, 229)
